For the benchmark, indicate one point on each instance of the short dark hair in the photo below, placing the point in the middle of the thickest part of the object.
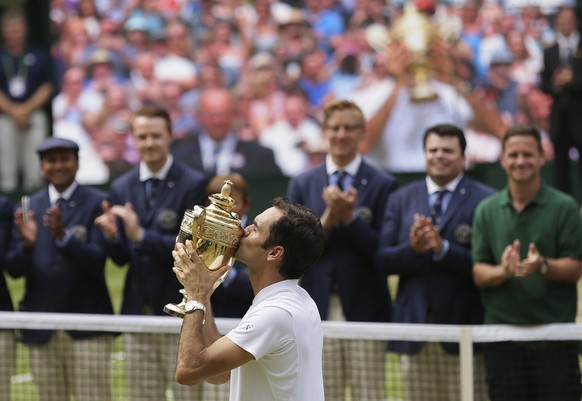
(153, 111)
(446, 130)
(299, 231)
(341, 105)
(524, 130)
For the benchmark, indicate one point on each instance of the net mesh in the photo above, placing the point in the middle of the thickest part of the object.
(102, 367)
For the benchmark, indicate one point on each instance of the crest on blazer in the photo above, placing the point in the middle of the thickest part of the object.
(364, 213)
(168, 219)
(463, 234)
(79, 232)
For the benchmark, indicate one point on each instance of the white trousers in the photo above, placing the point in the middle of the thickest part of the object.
(18, 155)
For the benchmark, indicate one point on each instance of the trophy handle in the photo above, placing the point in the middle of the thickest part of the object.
(199, 215)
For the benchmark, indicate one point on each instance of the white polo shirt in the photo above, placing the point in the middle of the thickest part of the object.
(400, 148)
(282, 329)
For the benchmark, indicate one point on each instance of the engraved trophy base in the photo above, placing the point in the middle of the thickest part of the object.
(175, 310)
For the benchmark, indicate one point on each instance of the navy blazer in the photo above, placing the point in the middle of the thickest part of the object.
(235, 298)
(150, 280)
(443, 289)
(6, 219)
(250, 158)
(67, 279)
(348, 254)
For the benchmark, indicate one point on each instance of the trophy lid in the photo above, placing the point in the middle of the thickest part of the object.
(223, 199)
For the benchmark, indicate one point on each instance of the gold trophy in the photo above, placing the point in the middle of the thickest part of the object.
(417, 32)
(215, 231)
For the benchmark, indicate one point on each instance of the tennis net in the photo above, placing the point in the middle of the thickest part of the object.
(21, 381)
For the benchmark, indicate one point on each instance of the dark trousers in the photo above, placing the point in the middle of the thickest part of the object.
(518, 372)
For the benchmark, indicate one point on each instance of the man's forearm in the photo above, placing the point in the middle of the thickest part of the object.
(376, 124)
(38, 99)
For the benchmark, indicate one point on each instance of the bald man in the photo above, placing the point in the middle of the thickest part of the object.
(216, 148)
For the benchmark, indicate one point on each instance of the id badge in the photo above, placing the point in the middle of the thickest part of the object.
(17, 86)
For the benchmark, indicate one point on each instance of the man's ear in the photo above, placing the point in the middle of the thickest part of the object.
(276, 253)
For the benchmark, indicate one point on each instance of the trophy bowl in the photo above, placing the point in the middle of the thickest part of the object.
(416, 31)
(215, 232)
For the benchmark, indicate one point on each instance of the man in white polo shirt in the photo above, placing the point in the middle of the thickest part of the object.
(275, 352)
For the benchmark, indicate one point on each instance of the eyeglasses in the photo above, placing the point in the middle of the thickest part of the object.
(349, 129)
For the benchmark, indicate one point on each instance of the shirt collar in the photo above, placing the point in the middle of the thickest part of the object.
(351, 168)
(540, 199)
(278, 287)
(54, 195)
(570, 41)
(145, 173)
(432, 187)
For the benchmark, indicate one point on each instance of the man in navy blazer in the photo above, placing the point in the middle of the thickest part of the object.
(425, 240)
(350, 196)
(60, 252)
(7, 341)
(141, 225)
(216, 149)
(561, 77)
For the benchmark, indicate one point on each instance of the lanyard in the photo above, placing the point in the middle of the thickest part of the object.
(22, 68)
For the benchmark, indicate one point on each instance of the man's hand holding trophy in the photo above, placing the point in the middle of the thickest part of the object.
(210, 237)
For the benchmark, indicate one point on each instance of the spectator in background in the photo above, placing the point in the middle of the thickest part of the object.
(536, 112)
(25, 89)
(327, 23)
(73, 101)
(527, 61)
(396, 123)
(349, 196)
(142, 78)
(7, 337)
(562, 79)
(216, 148)
(170, 98)
(425, 240)
(175, 64)
(116, 111)
(60, 252)
(137, 39)
(295, 39)
(315, 77)
(296, 140)
(140, 226)
(268, 97)
(149, 10)
(101, 74)
(527, 279)
(74, 47)
(259, 27)
(88, 14)
(501, 90)
(346, 78)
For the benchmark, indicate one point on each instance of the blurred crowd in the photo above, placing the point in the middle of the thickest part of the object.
(282, 61)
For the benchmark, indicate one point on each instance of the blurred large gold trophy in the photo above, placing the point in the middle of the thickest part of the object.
(416, 31)
(215, 231)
